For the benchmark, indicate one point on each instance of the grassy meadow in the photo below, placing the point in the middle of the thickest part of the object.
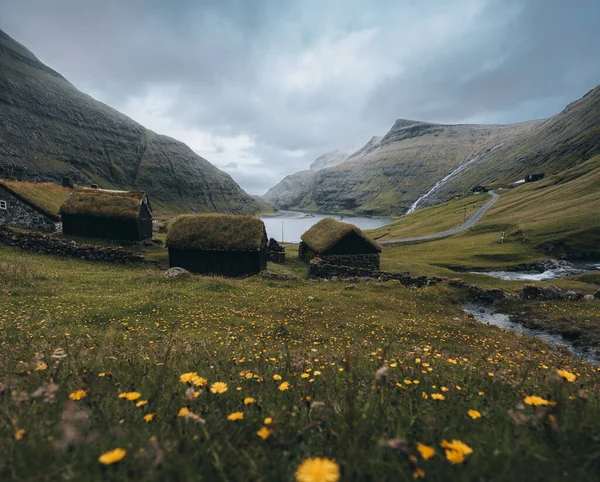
(382, 379)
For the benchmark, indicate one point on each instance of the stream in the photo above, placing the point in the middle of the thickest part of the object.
(486, 314)
(544, 271)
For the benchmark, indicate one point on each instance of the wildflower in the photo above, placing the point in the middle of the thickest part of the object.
(490, 374)
(41, 366)
(268, 421)
(188, 377)
(199, 381)
(474, 414)
(248, 400)
(424, 395)
(408, 382)
(456, 451)
(112, 456)
(416, 382)
(218, 387)
(102, 375)
(481, 394)
(141, 403)
(444, 389)
(304, 375)
(418, 474)
(451, 360)
(232, 417)
(264, 433)
(148, 417)
(437, 396)
(534, 400)
(284, 386)
(276, 377)
(318, 470)
(183, 412)
(316, 373)
(131, 396)
(77, 395)
(568, 376)
(19, 434)
(426, 451)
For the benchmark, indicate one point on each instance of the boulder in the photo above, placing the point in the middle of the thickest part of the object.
(176, 272)
(589, 298)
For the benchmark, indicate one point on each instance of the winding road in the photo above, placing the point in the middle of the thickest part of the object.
(469, 223)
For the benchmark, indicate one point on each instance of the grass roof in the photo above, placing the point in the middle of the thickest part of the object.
(223, 232)
(46, 197)
(98, 203)
(327, 232)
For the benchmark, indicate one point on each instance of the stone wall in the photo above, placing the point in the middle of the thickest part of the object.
(17, 213)
(44, 243)
(364, 261)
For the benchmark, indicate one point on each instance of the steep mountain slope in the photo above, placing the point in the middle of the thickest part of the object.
(388, 174)
(563, 141)
(293, 188)
(49, 129)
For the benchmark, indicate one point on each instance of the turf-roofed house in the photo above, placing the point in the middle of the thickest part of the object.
(105, 214)
(219, 244)
(339, 243)
(32, 205)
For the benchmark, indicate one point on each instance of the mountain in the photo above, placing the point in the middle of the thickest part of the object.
(292, 189)
(49, 129)
(432, 163)
(389, 173)
(329, 159)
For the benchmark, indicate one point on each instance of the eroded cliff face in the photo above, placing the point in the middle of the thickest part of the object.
(49, 129)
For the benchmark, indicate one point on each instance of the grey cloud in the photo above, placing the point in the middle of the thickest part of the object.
(223, 64)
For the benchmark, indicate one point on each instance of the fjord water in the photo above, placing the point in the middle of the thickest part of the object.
(295, 223)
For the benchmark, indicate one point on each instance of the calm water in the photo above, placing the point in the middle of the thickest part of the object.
(296, 223)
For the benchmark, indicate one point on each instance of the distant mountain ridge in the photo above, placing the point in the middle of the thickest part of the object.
(388, 174)
(49, 129)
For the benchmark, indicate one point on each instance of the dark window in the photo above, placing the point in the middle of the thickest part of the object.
(2, 204)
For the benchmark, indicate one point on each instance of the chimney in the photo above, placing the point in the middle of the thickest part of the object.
(67, 182)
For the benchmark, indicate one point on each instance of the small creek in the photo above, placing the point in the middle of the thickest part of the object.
(487, 314)
(560, 269)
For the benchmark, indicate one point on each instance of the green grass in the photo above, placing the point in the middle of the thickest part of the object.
(46, 195)
(107, 329)
(431, 220)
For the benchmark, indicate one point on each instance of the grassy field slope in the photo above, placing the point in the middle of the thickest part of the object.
(98, 357)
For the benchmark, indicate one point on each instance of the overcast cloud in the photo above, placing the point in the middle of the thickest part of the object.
(261, 88)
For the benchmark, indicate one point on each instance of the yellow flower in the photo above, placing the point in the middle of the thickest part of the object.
(316, 373)
(424, 395)
(264, 433)
(19, 434)
(418, 474)
(77, 395)
(131, 396)
(568, 376)
(277, 377)
(232, 417)
(141, 403)
(218, 387)
(490, 374)
(248, 400)
(438, 396)
(481, 394)
(456, 451)
(304, 375)
(426, 451)
(533, 400)
(183, 412)
(199, 381)
(318, 470)
(41, 366)
(102, 375)
(284, 386)
(474, 414)
(444, 389)
(451, 360)
(112, 456)
(408, 382)
(188, 377)
(149, 417)
(268, 421)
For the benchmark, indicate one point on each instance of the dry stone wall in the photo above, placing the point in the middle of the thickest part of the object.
(20, 214)
(44, 243)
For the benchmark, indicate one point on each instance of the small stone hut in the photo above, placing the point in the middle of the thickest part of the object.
(31, 205)
(339, 243)
(534, 177)
(220, 244)
(105, 214)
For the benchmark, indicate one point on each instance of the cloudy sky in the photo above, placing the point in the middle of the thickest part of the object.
(261, 88)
